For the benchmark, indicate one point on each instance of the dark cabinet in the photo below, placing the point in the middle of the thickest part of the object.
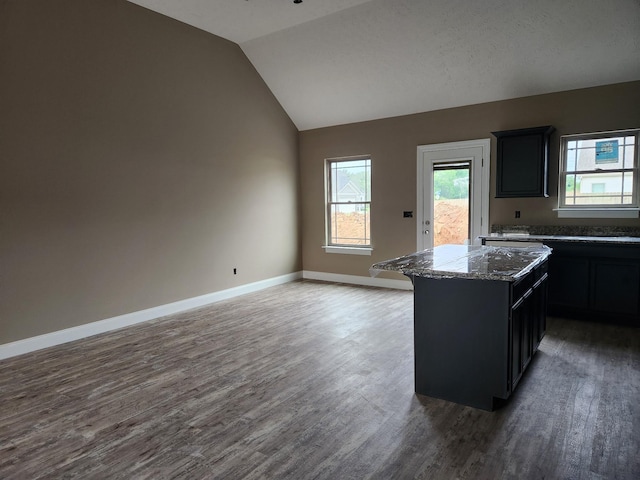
(615, 287)
(475, 338)
(528, 320)
(523, 162)
(540, 292)
(595, 282)
(518, 340)
(569, 281)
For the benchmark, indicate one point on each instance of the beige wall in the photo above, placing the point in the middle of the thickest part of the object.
(392, 144)
(141, 161)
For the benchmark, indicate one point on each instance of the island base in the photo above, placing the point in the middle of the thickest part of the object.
(474, 338)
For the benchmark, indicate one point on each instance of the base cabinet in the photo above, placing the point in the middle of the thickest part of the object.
(615, 286)
(528, 321)
(473, 339)
(519, 339)
(540, 293)
(569, 281)
(595, 282)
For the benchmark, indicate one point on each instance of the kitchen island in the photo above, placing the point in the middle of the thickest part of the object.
(479, 316)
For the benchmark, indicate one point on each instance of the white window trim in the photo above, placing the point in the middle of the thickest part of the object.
(342, 249)
(348, 250)
(598, 211)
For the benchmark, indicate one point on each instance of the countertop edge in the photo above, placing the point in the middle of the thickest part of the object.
(505, 237)
(428, 272)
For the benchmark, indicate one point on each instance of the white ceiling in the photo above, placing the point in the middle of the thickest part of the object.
(331, 62)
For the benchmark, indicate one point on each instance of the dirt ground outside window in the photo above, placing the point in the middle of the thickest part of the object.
(451, 223)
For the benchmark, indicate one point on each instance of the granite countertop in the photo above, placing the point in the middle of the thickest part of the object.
(467, 261)
(565, 233)
(523, 237)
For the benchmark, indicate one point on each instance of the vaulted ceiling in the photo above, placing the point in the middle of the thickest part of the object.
(331, 62)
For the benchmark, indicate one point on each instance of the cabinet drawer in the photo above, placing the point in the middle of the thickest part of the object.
(520, 288)
(540, 270)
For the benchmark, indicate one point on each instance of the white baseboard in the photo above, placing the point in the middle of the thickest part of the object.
(358, 280)
(32, 344)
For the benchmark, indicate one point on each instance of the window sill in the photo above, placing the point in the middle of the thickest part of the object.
(597, 212)
(348, 250)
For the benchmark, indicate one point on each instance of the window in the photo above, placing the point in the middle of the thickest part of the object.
(599, 175)
(348, 199)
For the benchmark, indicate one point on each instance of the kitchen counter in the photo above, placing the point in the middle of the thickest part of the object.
(591, 276)
(523, 237)
(479, 316)
(466, 261)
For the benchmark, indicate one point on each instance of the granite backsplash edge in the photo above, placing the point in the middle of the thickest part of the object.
(568, 230)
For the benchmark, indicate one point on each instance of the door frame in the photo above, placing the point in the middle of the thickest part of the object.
(479, 179)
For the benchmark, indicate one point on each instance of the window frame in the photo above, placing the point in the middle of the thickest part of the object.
(603, 210)
(329, 246)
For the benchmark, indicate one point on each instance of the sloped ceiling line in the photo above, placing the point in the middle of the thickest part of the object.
(331, 62)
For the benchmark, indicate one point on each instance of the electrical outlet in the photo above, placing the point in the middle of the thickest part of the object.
(517, 213)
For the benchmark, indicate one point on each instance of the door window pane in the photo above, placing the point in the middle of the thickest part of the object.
(451, 204)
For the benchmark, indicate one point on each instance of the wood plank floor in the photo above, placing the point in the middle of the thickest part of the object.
(311, 380)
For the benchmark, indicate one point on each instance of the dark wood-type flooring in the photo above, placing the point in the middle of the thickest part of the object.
(311, 380)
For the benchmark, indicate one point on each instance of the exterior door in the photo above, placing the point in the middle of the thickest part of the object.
(453, 193)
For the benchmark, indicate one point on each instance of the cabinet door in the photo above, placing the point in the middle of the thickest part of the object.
(516, 343)
(522, 336)
(527, 316)
(539, 320)
(522, 162)
(615, 286)
(569, 282)
(523, 340)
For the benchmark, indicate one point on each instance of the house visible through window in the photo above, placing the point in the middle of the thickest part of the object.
(348, 199)
(599, 171)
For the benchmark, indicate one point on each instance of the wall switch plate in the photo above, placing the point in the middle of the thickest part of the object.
(407, 214)
(517, 213)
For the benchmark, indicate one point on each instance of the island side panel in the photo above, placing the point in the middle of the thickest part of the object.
(461, 331)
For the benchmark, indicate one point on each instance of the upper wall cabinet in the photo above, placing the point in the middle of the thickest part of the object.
(523, 162)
